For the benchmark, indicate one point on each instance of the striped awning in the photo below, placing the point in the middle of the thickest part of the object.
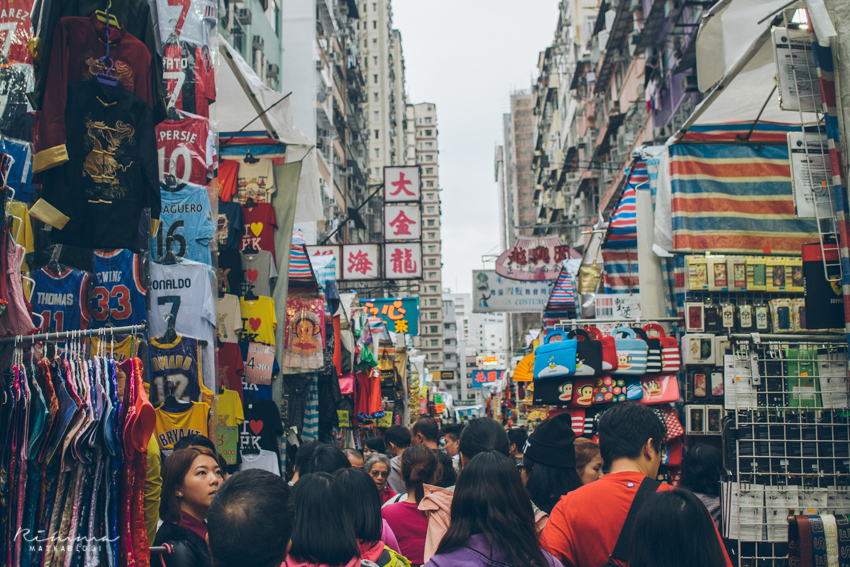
(563, 295)
(622, 227)
(735, 199)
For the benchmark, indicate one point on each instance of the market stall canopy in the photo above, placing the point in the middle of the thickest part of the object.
(737, 73)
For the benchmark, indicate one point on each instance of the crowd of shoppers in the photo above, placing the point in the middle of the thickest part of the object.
(518, 500)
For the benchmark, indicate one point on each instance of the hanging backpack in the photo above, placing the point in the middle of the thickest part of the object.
(555, 359)
(631, 353)
(588, 354)
(609, 348)
(653, 352)
(671, 359)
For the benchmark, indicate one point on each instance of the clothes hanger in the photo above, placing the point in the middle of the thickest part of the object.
(174, 114)
(105, 16)
(249, 158)
(170, 334)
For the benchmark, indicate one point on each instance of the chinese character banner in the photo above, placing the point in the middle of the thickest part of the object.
(401, 184)
(401, 314)
(493, 293)
(535, 259)
(403, 261)
(481, 377)
(402, 222)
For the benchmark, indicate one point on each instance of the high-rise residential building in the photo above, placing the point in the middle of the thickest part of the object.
(422, 132)
(321, 64)
(253, 28)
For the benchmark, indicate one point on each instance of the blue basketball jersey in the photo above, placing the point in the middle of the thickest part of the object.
(175, 369)
(61, 299)
(187, 224)
(117, 289)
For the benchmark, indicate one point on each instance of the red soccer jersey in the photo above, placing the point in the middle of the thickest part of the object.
(260, 223)
(228, 169)
(190, 77)
(16, 31)
(185, 149)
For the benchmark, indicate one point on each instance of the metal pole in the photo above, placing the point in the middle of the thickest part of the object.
(360, 206)
(573, 322)
(759, 337)
(76, 334)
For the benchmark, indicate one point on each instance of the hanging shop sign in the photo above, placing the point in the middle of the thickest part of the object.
(486, 360)
(483, 377)
(402, 222)
(258, 365)
(402, 185)
(403, 261)
(494, 293)
(617, 306)
(810, 174)
(361, 262)
(400, 314)
(333, 251)
(534, 259)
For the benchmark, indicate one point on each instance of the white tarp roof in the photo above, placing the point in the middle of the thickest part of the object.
(735, 65)
(242, 96)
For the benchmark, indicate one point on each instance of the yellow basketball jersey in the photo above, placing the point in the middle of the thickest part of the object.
(173, 426)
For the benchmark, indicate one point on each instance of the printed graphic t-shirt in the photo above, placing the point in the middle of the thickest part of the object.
(231, 367)
(229, 409)
(259, 227)
(187, 219)
(255, 180)
(257, 272)
(258, 320)
(228, 170)
(229, 271)
(262, 426)
(229, 224)
(229, 316)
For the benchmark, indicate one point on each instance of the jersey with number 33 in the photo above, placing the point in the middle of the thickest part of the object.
(118, 289)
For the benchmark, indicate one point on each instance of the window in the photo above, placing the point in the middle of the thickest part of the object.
(358, 25)
(434, 329)
(428, 121)
(377, 152)
(432, 276)
(374, 78)
(430, 221)
(432, 288)
(428, 132)
(429, 144)
(432, 261)
(365, 43)
(376, 96)
(589, 24)
(376, 131)
(431, 196)
(374, 7)
(431, 234)
(432, 249)
(377, 115)
(429, 171)
(429, 157)
(429, 183)
(432, 302)
(374, 24)
(433, 315)
(374, 57)
(435, 343)
(374, 41)
(430, 210)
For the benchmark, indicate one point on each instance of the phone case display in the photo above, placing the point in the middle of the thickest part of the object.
(187, 224)
(698, 348)
(118, 296)
(697, 271)
(775, 274)
(736, 269)
(106, 172)
(185, 147)
(718, 275)
(694, 317)
(756, 274)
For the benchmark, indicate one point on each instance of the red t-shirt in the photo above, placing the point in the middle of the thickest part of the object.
(410, 527)
(579, 538)
(260, 223)
(231, 367)
(228, 169)
(184, 148)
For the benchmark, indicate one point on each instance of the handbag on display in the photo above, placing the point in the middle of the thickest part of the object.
(588, 354)
(553, 391)
(653, 351)
(634, 389)
(671, 360)
(583, 392)
(631, 353)
(659, 389)
(554, 359)
(588, 276)
(346, 384)
(609, 348)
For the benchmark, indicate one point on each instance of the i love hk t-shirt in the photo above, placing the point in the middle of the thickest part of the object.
(258, 229)
(262, 426)
(258, 320)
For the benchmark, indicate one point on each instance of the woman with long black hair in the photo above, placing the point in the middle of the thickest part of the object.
(492, 519)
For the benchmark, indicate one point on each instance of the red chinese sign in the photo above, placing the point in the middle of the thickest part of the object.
(403, 261)
(534, 259)
(360, 262)
(401, 184)
(402, 222)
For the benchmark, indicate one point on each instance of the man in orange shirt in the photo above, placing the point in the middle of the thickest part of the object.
(585, 524)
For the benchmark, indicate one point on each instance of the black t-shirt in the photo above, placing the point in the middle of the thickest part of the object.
(229, 224)
(262, 426)
(111, 173)
(229, 270)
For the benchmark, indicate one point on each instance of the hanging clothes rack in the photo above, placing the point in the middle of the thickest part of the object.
(573, 322)
(109, 331)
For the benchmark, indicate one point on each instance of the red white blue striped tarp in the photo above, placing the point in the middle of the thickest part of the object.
(735, 199)
(621, 270)
(622, 227)
(563, 295)
(764, 132)
(299, 264)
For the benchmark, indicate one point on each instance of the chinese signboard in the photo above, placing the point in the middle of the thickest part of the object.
(493, 293)
(483, 377)
(332, 250)
(401, 184)
(360, 262)
(534, 259)
(617, 306)
(402, 222)
(486, 361)
(403, 261)
(401, 315)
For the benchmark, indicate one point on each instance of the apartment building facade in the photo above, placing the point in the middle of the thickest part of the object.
(253, 28)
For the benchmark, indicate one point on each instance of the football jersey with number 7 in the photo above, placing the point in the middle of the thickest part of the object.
(184, 290)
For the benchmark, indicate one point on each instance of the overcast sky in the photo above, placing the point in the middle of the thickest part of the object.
(466, 56)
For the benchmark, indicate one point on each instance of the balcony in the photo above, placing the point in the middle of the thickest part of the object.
(617, 34)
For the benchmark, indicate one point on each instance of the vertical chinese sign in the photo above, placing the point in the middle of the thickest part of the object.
(361, 262)
(402, 223)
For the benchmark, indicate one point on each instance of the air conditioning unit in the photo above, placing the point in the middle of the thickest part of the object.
(603, 40)
(661, 133)
(320, 64)
(243, 16)
(622, 143)
(690, 84)
(338, 161)
(613, 107)
(273, 71)
(636, 5)
(336, 58)
(258, 43)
